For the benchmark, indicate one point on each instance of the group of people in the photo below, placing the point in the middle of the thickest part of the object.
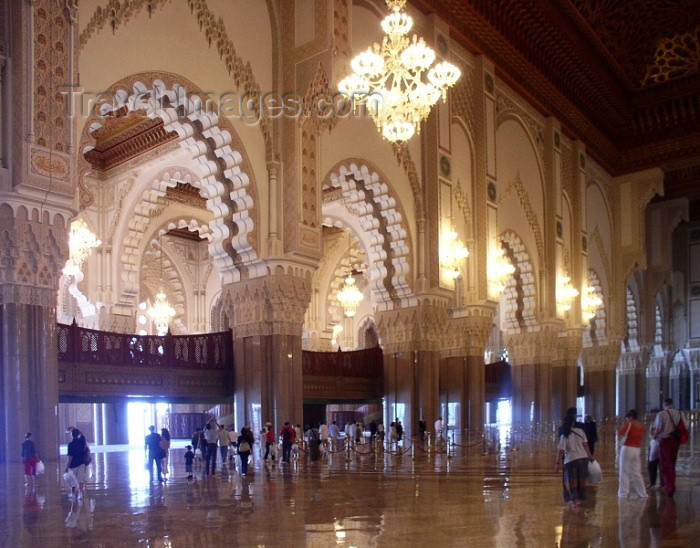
(577, 442)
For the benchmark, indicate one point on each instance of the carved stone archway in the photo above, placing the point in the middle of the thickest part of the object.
(518, 305)
(357, 197)
(217, 167)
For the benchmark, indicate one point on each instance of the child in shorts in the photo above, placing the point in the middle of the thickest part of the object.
(189, 459)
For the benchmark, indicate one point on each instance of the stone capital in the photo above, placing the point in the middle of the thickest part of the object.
(270, 305)
(467, 332)
(569, 344)
(419, 327)
(533, 347)
(601, 358)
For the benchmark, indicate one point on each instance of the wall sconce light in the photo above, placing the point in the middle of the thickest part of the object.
(566, 293)
(452, 253)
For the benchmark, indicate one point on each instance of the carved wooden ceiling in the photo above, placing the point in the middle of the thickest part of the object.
(125, 136)
(621, 75)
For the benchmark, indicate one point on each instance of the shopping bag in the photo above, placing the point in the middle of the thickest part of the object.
(71, 480)
(595, 474)
(40, 468)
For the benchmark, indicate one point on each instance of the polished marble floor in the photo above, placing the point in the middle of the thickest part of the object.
(510, 497)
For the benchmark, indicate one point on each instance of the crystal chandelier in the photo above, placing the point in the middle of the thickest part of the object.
(350, 296)
(161, 312)
(590, 303)
(452, 254)
(565, 293)
(81, 242)
(395, 79)
(498, 269)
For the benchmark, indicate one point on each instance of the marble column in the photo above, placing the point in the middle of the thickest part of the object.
(565, 372)
(411, 338)
(29, 374)
(462, 376)
(600, 379)
(115, 422)
(268, 315)
(532, 355)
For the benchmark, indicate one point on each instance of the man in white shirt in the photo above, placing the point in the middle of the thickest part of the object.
(664, 427)
(438, 429)
(323, 433)
(334, 433)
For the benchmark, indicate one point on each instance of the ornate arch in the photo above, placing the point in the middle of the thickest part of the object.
(220, 177)
(631, 339)
(518, 303)
(364, 195)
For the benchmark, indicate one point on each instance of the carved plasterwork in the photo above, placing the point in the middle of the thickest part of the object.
(468, 335)
(273, 305)
(519, 297)
(508, 104)
(33, 251)
(223, 184)
(532, 348)
(403, 156)
(601, 358)
(367, 197)
(414, 328)
(533, 222)
(115, 14)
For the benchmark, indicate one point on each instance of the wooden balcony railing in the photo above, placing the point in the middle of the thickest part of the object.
(358, 363)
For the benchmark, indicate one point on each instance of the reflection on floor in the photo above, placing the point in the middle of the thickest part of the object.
(506, 498)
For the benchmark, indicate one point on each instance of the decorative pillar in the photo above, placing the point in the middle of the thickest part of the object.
(599, 379)
(32, 252)
(565, 372)
(531, 373)
(462, 371)
(115, 423)
(268, 315)
(411, 338)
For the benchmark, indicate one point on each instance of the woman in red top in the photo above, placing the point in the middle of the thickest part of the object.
(630, 462)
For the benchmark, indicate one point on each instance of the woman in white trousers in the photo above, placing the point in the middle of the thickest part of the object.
(631, 435)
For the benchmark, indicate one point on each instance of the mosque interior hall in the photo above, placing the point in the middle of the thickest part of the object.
(420, 232)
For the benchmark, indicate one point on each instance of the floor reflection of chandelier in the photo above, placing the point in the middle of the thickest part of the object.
(81, 242)
(452, 254)
(590, 303)
(395, 79)
(350, 296)
(161, 312)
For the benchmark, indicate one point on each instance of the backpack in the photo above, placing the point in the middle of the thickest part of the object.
(286, 436)
(680, 432)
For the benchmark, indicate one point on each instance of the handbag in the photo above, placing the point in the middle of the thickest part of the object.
(40, 468)
(595, 474)
(244, 447)
(680, 432)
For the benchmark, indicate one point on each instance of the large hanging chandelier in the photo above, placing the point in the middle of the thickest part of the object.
(452, 254)
(498, 270)
(161, 312)
(590, 303)
(566, 293)
(350, 296)
(395, 79)
(81, 243)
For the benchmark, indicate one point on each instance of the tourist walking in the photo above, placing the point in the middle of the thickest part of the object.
(78, 457)
(591, 430)
(422, 428)
(314, 442)
(438, 429)
(323, 432)
(372, 433)
(630, 469)
(165, 446)
(29, 459)
(189, 459)
(399, 431)
(571, 412)
(245, 447)
(211, 435)
(154, 453)
(269, 442)
(574, 455)
(224, 442)
(334, 433)
(653, 464)
(199, 444)
(665, 427)
(288, 438)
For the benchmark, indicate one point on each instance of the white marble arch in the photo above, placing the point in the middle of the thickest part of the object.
(221, 182)
(518, 302)
(365, 207)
